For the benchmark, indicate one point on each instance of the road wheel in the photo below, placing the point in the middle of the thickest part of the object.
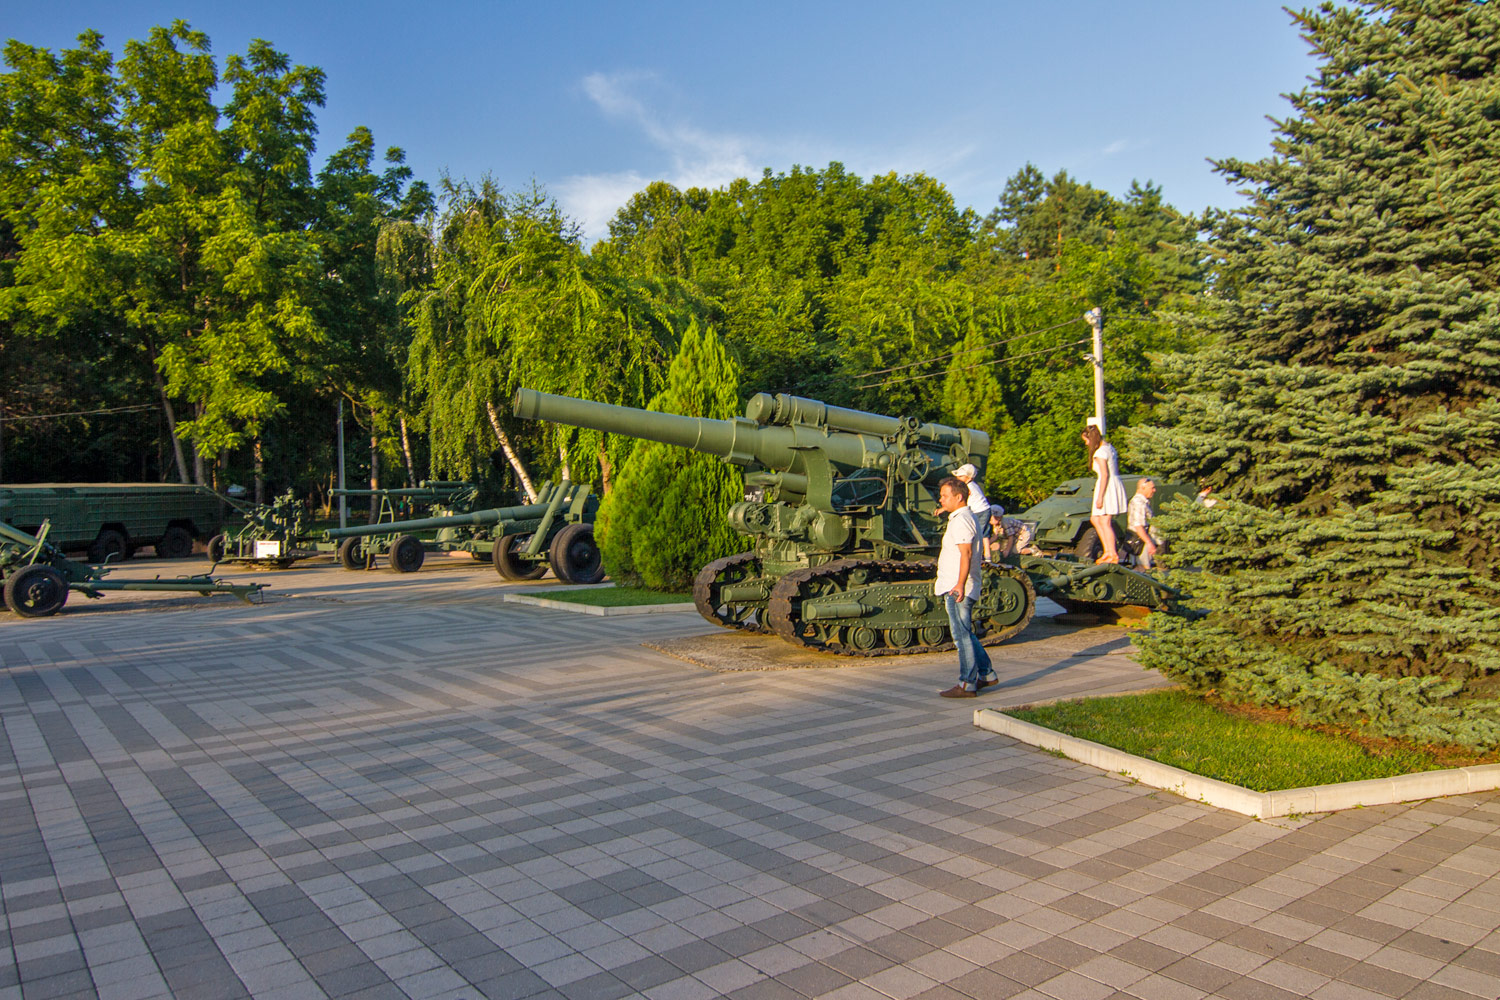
(1089, 548)
(36, 591)
(217, 548)
(509, 564)
(407, 554)
(352, 554)
(574, 557)
(108, 545)
(176, 542)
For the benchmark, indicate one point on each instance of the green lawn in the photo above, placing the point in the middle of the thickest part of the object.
(1186, 731)
(615, 597)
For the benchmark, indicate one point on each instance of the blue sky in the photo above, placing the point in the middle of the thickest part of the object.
(595, 100)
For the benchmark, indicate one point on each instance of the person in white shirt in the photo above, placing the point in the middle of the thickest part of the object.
(976, 500)
(1140, 517)
(957, 584)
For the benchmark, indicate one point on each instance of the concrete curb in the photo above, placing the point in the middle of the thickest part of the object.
(1259, 805)
(592, 609)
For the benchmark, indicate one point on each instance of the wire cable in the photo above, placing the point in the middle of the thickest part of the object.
(78, 413)
(971, 350)
(998, 361)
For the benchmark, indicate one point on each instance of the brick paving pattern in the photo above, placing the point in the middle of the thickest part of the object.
(411, 790)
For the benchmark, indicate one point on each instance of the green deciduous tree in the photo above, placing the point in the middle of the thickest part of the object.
(1348, 411)
(666, 516)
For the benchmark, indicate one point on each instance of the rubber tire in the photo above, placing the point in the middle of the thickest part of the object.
(574, 556)
(352, 554)
(217, 548)
(503, 555)
(407, 554)
(175, 543)
(108, 543)
(1089, 548)
(35, 591)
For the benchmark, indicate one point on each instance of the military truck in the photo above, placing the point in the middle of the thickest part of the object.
(110, 521)
(1062, 520)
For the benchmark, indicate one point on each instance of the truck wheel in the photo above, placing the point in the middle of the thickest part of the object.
(509, 564)
(108, 543)
(217, 548)
(1090, 548)
(36, 591)
(574, 557)
(407, 554)
(176, 542)
(352, 554)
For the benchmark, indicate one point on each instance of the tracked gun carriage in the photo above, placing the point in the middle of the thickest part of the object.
(841, 516)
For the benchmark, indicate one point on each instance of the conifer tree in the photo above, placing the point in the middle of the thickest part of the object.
(1349, 413)
(665, 518)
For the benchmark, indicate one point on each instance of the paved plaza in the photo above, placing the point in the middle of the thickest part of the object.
(378, 786)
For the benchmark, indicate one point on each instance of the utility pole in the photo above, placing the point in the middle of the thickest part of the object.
(1095, 317)
(343, 500)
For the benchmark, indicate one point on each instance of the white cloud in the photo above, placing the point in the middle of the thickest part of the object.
(696, 158)
(1118, 146)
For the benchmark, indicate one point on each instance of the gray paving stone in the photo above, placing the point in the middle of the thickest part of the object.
(396, 775)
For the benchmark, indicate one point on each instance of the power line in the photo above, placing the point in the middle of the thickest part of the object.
(971, 350)
(982, 364)
(79, 413)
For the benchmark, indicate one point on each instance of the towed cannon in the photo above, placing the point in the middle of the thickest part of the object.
(840, 513)
(38, 576)
(521, 542)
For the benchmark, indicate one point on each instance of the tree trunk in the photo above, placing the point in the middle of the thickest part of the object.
(260, 472)
(411, 471)
(166, 406)
(510, 453)
(605, 471)
(562, 458)
(374, 472)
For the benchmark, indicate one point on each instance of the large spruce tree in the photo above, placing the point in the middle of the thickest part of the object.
(1348, 415)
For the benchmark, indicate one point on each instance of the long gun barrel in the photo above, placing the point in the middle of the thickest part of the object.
(775, 434)
(492, 516)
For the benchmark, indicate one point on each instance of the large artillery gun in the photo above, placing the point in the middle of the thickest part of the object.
(38, 577)
(556, 531)
(841, 513)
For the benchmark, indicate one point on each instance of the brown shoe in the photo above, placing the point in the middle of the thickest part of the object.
(957, 691)
(985, 684)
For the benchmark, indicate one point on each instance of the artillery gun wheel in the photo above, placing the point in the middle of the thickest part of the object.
(509, 565)
(106, 544)
(1090, 548)
(708, 586)
(217, 548)
(36, 591)
(176, 542)
(407, 554)
(352, 554)
(574, 555)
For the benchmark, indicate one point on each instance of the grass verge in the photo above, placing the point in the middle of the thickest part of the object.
(1255, 748)
(615, 597)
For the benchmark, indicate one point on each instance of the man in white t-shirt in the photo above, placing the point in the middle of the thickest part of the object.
(958, 585)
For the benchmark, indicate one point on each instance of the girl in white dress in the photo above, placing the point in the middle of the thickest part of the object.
(1109, 491)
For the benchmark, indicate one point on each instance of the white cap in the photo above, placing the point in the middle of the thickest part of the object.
(1092, 422)
(996, 510)
(966, 471)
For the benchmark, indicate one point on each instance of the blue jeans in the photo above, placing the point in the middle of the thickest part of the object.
(973, 661)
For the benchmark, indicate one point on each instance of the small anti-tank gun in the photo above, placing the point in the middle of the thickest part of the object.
(38, 577)
(843, 526)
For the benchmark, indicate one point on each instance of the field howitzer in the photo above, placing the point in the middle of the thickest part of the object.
(521, 541)
(841, 515)
(37, 576)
